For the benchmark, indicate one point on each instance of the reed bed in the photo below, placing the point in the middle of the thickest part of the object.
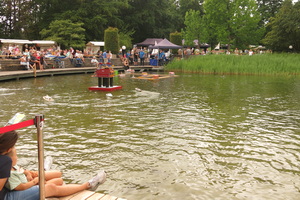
(264, 64)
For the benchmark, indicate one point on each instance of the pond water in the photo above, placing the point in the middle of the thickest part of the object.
(183, 138)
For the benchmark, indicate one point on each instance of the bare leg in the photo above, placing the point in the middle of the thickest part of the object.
(52, 174)
(52, 190)
(56, 181)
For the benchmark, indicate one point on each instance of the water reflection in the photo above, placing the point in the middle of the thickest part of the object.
(190, 137)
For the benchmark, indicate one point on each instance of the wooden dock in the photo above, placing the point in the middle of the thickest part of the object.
(87, 195)
(20, 74)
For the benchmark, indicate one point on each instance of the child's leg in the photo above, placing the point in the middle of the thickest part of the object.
(56, 181)
(52, 174)
(52, 190)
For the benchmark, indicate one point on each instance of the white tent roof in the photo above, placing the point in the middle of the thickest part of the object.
(13, 41)
(43, 42)
(19, 41)
(95, 43)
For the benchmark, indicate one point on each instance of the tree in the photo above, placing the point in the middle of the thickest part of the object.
(217, 21)
(97, 15)
(176, 38)
(155, 18)
(65, 33)
(193, 29)
(16, 18)
(183, 6)
(234, 22)
(268, 9)
(111, 39)
(285, 28)
(125, 38)
(244, 23)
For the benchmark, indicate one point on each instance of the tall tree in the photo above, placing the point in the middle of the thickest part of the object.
(216, 19)
(183, 6)
(285, 28)
(155, 18)
(65, 33)
(244, 23)
(268, 9)
(193, 29)
(97, 15)
(233, 22)
(15, 17)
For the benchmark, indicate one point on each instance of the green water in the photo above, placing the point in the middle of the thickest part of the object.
(188, 137)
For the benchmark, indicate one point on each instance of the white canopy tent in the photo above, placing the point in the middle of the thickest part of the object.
(40, 43)
(94, 46)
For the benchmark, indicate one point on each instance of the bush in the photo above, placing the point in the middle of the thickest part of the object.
(111, 39)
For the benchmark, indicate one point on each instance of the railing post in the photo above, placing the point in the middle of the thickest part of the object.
(39, 120)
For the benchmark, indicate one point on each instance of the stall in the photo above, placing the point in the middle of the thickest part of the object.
(164, 44)
(93, 47)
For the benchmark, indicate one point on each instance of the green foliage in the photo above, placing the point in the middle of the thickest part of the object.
(65, 33)
(151, 19)
(234, 22)
(125, 38)
(111, 39)
(194, 27)
(265, 64)
(268, 9)
(244, 24)
(176, 38)
(285, 28)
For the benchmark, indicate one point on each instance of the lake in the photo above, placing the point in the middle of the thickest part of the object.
(183, 138)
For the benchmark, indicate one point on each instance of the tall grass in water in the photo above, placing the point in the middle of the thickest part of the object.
(273, 64)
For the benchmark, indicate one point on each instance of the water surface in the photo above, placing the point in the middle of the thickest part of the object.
(189, 137)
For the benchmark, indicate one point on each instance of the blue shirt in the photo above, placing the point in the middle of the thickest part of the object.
(162, 55)
(142, 54)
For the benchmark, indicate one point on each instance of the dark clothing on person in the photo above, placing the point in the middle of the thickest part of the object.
(5, 167)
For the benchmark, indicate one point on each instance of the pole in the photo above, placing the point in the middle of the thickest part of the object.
(158, 57)
(34, 70)
(39, 125)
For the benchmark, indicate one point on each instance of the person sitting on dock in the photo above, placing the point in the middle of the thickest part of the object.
(19, 175)
(95, 62)
(33, 61)
(125, 64)
(54, 187)
(24, 61)
(7, 143)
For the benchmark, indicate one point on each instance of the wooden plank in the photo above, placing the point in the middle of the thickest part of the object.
(107, 197)
(81, 195)
(87, 195)
(96, 196)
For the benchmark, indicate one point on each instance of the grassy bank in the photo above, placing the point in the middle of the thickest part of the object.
(265, 64)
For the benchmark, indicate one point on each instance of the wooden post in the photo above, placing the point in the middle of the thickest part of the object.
(34, 70)
(39, 120)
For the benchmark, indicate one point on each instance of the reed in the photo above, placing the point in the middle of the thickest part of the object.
(265, 64)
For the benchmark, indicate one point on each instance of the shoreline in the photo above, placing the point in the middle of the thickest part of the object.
(21, 74)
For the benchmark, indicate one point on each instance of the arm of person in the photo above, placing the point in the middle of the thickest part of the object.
(2, 183)
(25, 186)
(28, 175)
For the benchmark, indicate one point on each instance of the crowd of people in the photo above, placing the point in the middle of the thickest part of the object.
(32, 57)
